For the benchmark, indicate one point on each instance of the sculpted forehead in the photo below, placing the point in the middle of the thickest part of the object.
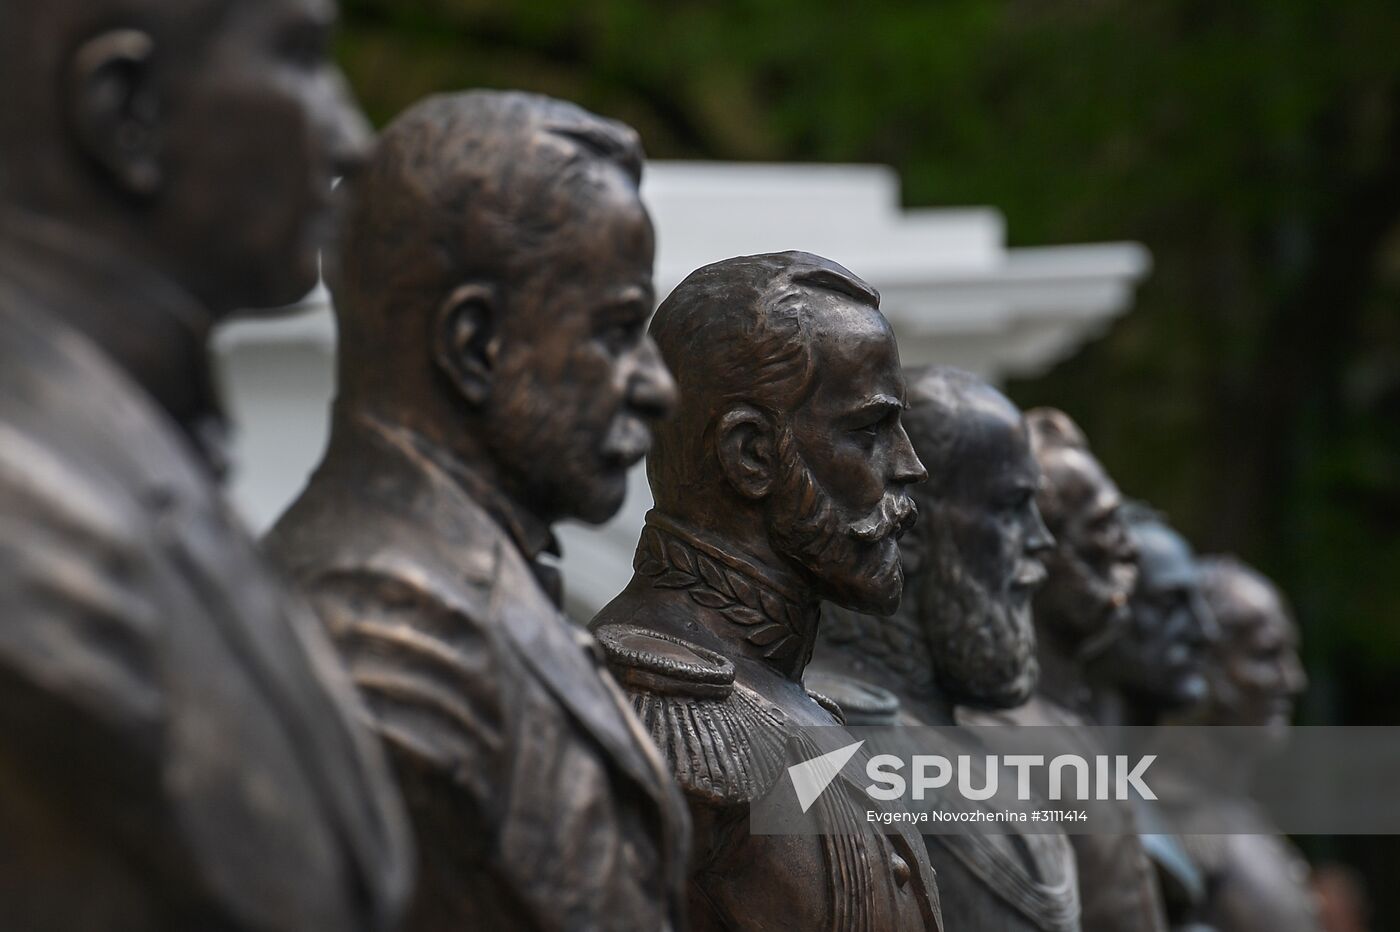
(1079, 480)
(994, 444)
(1165, 559)
(600, 222)
(1246, 599)
(854, 351)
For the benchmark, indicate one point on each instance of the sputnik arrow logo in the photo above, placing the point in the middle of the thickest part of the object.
(811, 777)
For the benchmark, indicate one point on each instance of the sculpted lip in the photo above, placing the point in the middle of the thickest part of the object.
(1030, 575)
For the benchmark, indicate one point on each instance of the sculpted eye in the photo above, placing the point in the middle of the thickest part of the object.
(617, 336)
(866, 433)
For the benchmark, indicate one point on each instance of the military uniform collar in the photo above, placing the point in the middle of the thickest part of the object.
(764, 612)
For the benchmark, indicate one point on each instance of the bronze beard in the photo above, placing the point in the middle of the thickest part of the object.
(803, 526)
(1081, 602)
(980, 643)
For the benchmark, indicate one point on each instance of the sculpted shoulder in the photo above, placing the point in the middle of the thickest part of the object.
(724, 742)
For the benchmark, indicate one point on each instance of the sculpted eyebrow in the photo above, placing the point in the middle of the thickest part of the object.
(878, 405)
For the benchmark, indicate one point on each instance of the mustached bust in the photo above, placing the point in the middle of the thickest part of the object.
(961, 636)
(1092, 568)
(782, 480)
(1082, 605)
(492, 284)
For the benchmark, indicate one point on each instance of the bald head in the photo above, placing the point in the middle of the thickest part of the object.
(962, 426)
(1255, 672)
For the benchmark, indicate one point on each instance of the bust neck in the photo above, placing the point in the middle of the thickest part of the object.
(148, 326)
(757, 611)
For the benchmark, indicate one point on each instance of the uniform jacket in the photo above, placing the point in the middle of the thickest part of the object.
(699, 638)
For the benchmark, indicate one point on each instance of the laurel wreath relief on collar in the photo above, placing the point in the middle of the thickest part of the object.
(770, 621)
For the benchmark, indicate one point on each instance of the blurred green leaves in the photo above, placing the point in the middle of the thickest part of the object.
(1253, 145)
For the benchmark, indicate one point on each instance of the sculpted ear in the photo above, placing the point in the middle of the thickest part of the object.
(465, 341)
(114, 109)
(747, 450)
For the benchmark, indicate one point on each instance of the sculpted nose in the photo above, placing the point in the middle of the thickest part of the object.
(651, 390)
(1040, 540)
(907, 469)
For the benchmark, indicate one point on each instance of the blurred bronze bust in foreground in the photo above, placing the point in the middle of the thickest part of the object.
(962, 636)
(180, 749)
(781, 480)
(492, 286)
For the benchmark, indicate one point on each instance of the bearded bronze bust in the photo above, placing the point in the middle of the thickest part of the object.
(962, 636)
(1081, 608)
(1255, 878)
(782, 480)
(181, 749)
(492, 283)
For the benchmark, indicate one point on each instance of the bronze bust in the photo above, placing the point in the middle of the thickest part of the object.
(1154, 669)
(181, 748)
(1157, 665)
(1080, 609)
(781, 480)
(492, 283)
(962, 636)
(1255, 878)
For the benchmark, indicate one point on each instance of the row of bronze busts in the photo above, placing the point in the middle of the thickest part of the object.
(182, 746)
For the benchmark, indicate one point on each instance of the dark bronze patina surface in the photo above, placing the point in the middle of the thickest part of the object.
(492, 286)
(1155, 668)
(962, 636)
(1255, 878)
(181, 749)
(782, 480)
(1081, 608)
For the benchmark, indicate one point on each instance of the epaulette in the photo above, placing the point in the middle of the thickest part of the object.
(723, 742)
(829, 704)
(856, 702)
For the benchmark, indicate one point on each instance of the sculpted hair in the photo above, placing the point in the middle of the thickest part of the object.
(473, 187)
(1052, 430)
(737, 331)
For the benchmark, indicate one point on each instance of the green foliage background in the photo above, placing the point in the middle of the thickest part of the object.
(1253, 145)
